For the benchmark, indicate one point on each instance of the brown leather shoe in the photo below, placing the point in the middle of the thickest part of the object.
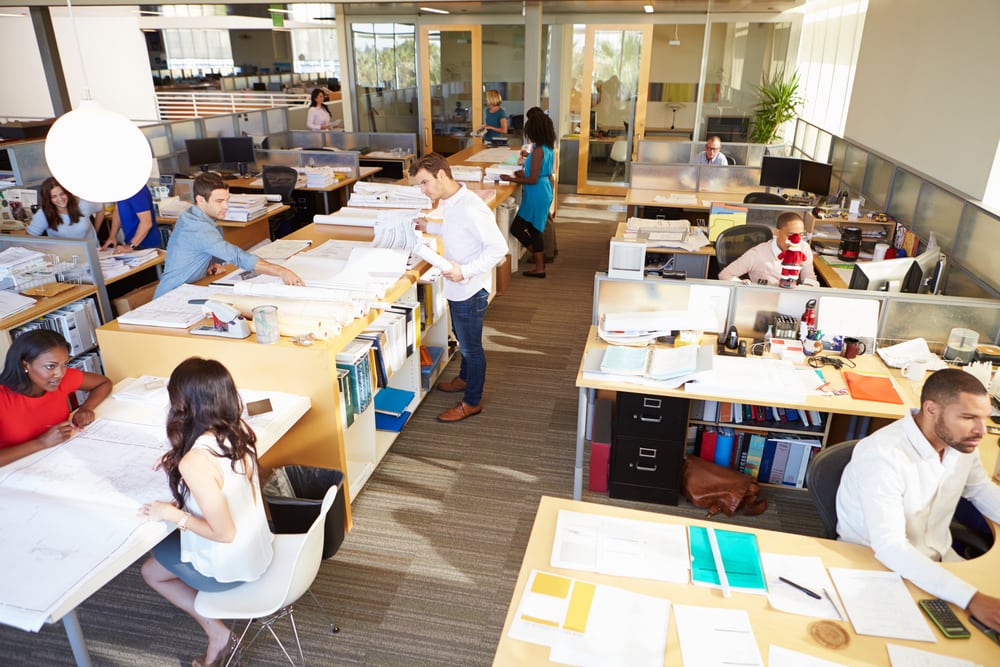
(459, 412)
(456, 384)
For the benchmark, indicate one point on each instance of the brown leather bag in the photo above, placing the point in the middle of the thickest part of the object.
(719, 489)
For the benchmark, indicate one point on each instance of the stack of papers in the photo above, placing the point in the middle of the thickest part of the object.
(319, 177)
(173, 310)
(172, 207)
(494, 171)
(245, 207)
(467, 173)
(879, 604)
(387, 195)
(640, 328)
(395, 229)
(349, 216)
(17, 258)
(12, 302)
(280, 249)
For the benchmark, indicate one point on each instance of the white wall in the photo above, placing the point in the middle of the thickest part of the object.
(925, 92)
(25, 94)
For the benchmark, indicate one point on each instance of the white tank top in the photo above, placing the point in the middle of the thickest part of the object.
(248, 555)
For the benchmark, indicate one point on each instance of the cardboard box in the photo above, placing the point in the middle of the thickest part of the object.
(134, 299)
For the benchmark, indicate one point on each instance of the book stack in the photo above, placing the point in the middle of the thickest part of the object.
(243, 208)
(770, 457)
(467, 173)
(758, 415)
(77, 322)
(390, 409)
(318, 177)
(355, 358)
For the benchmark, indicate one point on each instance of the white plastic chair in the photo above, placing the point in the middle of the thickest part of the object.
(291, 573)
(619, 155)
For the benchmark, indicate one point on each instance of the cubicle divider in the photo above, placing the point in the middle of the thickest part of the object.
(695, 178)
(684, 152)
(389, 142)
(339, 160)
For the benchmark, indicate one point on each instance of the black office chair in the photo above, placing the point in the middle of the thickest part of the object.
(735, 241)
(764, 198)
(517, 122)
(823, 479)
(730, 160)
(280, 180)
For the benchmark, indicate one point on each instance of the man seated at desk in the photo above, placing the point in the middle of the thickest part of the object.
(762, 262)
(900, 490)
(712, 153)
(196, 247)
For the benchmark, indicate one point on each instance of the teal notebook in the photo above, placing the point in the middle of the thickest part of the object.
(740, 557)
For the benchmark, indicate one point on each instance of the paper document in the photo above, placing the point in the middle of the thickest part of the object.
(683, 199)
(281, 249)
(716, 637)
(879, 604)
(778, 656)
(757, 380)
(591, 625)
(432, 258)
(172, 310)
(621, 547)
(146, 389)
(906, 656)
(12, 302)
(848, 317)
(806, 571)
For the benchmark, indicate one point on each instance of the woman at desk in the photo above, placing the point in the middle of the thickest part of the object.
(34, 395)
(318, 116)
(536, 198)
(222, 538)
(63, 214)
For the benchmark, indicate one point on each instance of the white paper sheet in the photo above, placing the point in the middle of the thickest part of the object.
(759, 380)
(807, 571)
(879, 604)
(281, 249)
(171, 310)
(778, 656)
(715, 637)
(906, 656)
(848, 317)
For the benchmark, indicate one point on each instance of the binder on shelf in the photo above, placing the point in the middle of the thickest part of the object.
(411, 311)
(347, 407)
(708, 439)
(781, 449)
(766, 460)
(391, 401)
(355, 359)
(379, 340)
(384, 422)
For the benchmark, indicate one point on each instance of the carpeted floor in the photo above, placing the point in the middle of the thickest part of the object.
(426, 575)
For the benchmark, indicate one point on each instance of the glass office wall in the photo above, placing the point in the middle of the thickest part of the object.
(385, 72)
(451, 87)
(503, 71)
(673, 80)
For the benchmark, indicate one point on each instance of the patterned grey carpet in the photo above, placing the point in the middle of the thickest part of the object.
(426, 575)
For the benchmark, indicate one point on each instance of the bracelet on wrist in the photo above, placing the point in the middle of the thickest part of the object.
(183, 523)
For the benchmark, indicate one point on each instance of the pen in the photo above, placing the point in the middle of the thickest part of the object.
(805, 590)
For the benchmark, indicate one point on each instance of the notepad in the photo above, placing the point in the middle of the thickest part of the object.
(740, 558)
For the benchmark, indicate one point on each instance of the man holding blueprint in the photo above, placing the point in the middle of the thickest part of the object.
(473, 245)
(900, 490)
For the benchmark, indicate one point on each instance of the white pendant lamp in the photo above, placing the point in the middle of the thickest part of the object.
(97, 154)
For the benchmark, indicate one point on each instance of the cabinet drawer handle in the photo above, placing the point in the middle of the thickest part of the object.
(647, 452)
(651, 420)
(645, 468)
(652, 402)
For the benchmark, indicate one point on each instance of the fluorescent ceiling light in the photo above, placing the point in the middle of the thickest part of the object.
(434, 10)
(280, 11)
(13, 15)
(148, 12)
(648, 9)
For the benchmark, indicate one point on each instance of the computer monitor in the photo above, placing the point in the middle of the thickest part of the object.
(780, 172)
(238, 150)
(929, 270)
(203, 152)
(888, 275)
(815, 177)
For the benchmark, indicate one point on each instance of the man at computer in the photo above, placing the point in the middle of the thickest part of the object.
(196, 246)
(712, 153)
(763, 261)
(904, 481)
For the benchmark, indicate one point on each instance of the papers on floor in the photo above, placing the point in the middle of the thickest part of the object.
(621, 547)
(879, 604)
(715, 637)
(806, 571)
(778, 656)
(388, 195)
(591, 624)
(173, 310)
(280, 249)
(12, 302)
(906, 656)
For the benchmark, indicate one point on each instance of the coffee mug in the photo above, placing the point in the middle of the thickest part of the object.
(915, 369)
(852, 348)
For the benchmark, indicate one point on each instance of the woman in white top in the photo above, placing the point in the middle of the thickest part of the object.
(222, 538)
(63, 214)
(318, 117)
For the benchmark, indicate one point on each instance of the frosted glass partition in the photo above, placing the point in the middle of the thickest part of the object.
(615, 295)
(252, 124)
(27, 160)
(347, 159)
(376, 141)
(977, 245)
(664, 177)
(277, 120)
(664, 152)
(932, 318)
(904, 195)
(729, 179)
(878, 179)
(220, 126)
(937, 211)
(182, 130)
(279, 158)
(853, 174)
(755, 154)
(824, 147)
(159, 139)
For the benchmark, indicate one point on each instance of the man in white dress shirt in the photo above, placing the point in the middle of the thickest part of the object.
(762, 262)
(900, 490)
(712, 153)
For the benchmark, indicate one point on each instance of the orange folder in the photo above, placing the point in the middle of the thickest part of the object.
(871, 388)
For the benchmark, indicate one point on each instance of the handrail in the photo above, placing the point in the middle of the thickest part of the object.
(180, 105)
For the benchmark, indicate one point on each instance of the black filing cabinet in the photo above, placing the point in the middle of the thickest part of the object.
(647, 448)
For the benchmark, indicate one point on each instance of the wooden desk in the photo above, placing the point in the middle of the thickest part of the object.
(342, 188)
(769, 626)
(161, 256)
(636, 199)
(834, 404)
(244, 234)
(694, 264)
(46, 304)
(827, 273)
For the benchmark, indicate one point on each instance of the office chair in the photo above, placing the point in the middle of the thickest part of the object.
(764, 198)
(278, 180)
(517, 122)
(619, 156)
(267, 600)
(729, 160)
(823, 479)
(735, 241)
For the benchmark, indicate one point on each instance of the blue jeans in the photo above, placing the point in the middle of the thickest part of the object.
(168, 554)
(467, 323)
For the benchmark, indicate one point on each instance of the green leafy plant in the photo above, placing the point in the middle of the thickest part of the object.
(779, 102)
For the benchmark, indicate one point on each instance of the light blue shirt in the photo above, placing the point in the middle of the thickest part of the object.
(194, 243)
(718, 159)
(75, 229)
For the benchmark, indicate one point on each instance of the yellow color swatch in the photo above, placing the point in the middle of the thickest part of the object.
(579, 607)
(550, 584)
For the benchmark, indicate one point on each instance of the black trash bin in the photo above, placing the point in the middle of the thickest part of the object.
(296, 513)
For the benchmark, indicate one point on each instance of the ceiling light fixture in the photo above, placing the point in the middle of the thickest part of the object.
(648, 9)
(676, 41)
(97, 154)
(280, 11)
(434, 10)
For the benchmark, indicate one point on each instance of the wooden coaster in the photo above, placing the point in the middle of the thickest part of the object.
(829, 634)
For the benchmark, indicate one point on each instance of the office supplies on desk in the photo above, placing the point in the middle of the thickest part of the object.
(907, 656)
(227, 321)
(740, 558)
(805, 571)
(800, 588)
(715, 637)
(879, 604)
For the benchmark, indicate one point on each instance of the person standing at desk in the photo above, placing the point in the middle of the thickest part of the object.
(762, 262)
(34, 395)
(903, 483)
(473, 245)
(712, 153)
(495, 124)
(222, 538)
(196, 247)
(318, 116)
(135, 217)
(63, 214)
(536, 197)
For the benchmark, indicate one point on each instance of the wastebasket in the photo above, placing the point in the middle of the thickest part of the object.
(294, 495)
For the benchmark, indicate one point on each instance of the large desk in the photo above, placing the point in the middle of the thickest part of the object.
(146, 535)
(341, 188)
(243, 234)
(834, 404)
(770, 627)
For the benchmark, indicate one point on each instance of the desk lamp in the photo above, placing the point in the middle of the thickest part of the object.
(97, 154)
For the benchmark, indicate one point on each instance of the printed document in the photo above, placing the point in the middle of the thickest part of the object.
(906, 656)
(806, 571)
(716, 637)
(879, 604)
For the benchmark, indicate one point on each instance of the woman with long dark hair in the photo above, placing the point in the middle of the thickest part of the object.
(63, 214)
(536, 197)
(318, 117)
(222, 538)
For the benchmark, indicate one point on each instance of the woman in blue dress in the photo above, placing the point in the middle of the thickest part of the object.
(536, 197)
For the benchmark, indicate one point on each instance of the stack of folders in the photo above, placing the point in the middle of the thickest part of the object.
(390, 408)
(77, 322)
(243, 208)
(774, 458)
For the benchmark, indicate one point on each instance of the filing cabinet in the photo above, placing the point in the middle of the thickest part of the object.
(647, 448)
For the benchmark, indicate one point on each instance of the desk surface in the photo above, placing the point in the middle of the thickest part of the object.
(45, 304)
(702, 200)
(273, 209)
(704, 250)
(770, 627)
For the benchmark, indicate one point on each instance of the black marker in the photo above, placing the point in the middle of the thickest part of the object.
(805, 590)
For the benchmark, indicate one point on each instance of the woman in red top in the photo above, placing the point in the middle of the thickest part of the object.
(34, 395)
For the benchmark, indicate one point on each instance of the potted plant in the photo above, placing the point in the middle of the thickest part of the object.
(779, 102)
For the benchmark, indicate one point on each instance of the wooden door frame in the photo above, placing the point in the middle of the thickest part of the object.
(424, 90)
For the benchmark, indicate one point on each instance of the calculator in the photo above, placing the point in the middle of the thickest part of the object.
(945, 619)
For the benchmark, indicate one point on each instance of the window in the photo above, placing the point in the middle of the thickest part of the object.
(205, 50)
(385, 55)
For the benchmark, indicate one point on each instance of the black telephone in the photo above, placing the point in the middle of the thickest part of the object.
(730, 344)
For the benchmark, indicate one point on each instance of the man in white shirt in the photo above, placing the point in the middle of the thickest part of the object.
(762, 262)
(474, 245)
(900, 489)
(712, 153)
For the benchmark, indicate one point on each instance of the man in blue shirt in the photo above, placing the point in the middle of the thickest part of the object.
(135, 217)
(712, 153)
(196, 247)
